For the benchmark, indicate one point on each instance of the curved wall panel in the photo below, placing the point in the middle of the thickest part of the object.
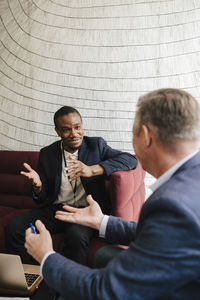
(97, 56)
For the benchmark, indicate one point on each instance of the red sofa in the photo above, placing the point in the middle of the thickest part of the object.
(126, 192)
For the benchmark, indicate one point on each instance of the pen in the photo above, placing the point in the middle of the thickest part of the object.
(32, 228)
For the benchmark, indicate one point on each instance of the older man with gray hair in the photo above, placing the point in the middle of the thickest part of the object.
(162, 261)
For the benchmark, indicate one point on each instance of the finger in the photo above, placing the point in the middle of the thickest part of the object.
(28, 231)
(26, 245)
(60, 212)
(74, 177)
(40, 226)
(71, 168)
(70, 208)
(24, 173)
(65, 218)
(28, 167)
(72, 165)
(89, 199)
(63, 213)
(71, 159)
(71, 172)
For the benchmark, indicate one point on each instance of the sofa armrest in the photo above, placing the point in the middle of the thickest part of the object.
(126, 192)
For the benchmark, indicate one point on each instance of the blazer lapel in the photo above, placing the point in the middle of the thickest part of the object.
(83, 152)
(83, 157)
(58, 166)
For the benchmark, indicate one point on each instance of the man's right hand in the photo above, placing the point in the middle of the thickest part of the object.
(33, 177)
(90, 216)
(38, 244)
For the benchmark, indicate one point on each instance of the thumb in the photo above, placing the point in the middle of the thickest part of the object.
(89, 200)
(40, 226)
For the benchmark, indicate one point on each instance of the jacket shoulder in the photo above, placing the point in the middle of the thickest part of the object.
(51, 147)
(93, 141)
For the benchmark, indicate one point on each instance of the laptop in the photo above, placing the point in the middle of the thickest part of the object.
(17, 278)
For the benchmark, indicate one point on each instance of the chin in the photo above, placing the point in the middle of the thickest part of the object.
(75, 147)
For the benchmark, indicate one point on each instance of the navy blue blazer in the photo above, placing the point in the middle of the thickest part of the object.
(163, 260)
(93, 150)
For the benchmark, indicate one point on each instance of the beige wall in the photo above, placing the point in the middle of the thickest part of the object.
(97, 56)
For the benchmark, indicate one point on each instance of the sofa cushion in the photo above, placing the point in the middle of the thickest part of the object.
(12, 161)
(15, 189)
(15, 184)
(17, 201)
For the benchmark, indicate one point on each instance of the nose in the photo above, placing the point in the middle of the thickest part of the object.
(73, 132)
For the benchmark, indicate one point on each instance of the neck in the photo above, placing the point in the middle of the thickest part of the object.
(167, 157)
(68, 149)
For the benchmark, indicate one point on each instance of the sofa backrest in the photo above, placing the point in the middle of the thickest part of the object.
(125, 188)
(13, 185)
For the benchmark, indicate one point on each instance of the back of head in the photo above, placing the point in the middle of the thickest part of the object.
(174, 115)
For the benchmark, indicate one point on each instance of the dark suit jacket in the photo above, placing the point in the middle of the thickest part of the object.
(93, 150)
(163, 260)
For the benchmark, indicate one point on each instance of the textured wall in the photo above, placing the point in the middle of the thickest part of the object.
(97, 56)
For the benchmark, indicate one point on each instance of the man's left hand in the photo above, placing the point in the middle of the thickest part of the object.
(90, 215)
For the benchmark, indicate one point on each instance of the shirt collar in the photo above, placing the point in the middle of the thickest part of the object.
(67, 154)
(168, 174)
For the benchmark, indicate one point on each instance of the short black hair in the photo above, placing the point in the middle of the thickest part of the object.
(65, 110)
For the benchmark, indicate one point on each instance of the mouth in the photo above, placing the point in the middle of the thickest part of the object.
(75, 140)
(72, 144)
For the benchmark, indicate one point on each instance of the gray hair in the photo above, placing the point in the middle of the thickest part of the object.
(173, 113)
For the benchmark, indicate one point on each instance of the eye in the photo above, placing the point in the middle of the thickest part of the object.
(65, 129)
(78, 127)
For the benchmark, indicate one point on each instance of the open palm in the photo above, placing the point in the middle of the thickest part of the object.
(32, 176)
(88, 216)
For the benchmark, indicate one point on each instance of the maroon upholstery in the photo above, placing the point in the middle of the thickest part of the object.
(125, 188)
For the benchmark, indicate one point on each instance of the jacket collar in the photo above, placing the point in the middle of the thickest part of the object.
(173, 170)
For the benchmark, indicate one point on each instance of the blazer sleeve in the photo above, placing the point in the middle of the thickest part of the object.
(41, 198)
(120, 231)
(113, 160)
(161, 261)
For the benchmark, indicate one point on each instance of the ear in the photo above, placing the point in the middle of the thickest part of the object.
(146, 132)
(57, 131)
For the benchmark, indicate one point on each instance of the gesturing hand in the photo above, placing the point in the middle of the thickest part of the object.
(33, 177)
(38, 244)
(90, 216)
(76, 169)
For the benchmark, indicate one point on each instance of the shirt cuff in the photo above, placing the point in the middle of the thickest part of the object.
(44, 258)
(102, 230)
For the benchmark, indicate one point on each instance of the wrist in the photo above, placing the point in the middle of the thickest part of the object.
(99, 221)
(37, 189)
(43, 255)
(97, 170)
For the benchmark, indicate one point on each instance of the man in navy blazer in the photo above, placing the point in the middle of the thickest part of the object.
(162, 261)
(93, 151)
(68, 170)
